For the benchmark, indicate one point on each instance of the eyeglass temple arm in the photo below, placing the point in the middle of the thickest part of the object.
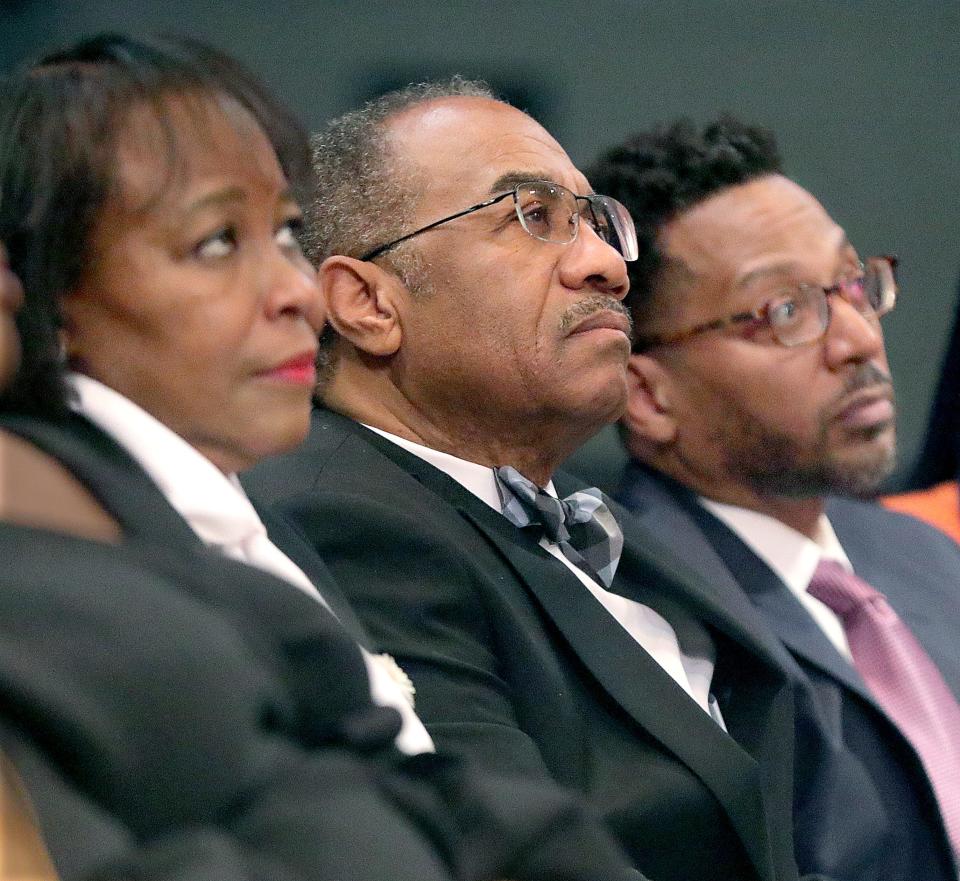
(670, 339)
(380, 249)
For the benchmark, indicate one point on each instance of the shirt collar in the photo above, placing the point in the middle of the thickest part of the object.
(477, 479)
(213, 503)
(790, 554)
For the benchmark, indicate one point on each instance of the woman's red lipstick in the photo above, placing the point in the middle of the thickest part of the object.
(299, 370)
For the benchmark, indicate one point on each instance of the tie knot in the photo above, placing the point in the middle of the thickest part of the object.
(581, 524)
(525, 504)
(841, 590)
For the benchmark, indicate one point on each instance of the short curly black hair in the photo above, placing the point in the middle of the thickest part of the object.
(660, 173)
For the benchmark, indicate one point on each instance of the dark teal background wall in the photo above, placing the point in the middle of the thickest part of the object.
(864, 96)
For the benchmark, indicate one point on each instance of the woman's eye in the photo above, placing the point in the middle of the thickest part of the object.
(220, 244)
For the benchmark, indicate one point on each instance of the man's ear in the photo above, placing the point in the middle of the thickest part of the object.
(362, 303)
(649, 417)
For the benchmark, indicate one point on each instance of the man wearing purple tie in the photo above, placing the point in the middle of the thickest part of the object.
(760, 408)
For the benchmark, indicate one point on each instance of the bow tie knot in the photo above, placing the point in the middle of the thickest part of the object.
(581, 525)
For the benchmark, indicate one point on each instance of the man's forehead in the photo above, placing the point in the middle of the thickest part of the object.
(474, 146)
(766, 225)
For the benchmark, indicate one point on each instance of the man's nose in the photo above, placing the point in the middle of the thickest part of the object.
(852, 335)
(591, 262)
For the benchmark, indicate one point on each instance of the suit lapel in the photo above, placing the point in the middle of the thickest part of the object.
(730, 562)
(286, 537)
(552, 583)
(657, 525)
(636, 681)
(157, 531)
(609, 652)
(112, 475)
(127, 492)
(627, 673)
(722, 556)
(310, 639)
(728, 611)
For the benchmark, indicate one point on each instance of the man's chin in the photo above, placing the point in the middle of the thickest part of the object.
(857, 473)
(610, 406)
(863, 475)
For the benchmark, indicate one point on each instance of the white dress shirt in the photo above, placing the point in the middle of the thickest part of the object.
(690, 667)
(792, 556)
(219, 512)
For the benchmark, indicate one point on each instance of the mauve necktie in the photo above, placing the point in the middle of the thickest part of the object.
(902, 678)
(581, 525)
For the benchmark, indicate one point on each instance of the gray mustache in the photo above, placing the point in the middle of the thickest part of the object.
(591, 305)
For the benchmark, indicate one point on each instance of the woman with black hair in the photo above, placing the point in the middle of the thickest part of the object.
(148, 199)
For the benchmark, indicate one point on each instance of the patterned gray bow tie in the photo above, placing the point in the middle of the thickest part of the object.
(581, 525)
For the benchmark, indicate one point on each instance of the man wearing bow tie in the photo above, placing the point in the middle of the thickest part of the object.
(474, 284)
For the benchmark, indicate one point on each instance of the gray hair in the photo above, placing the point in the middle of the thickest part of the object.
(365, 195)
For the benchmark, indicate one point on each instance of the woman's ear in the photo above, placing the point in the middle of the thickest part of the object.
(362, 304)
(649, 418)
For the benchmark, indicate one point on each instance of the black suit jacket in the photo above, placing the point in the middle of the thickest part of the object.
(172, 709)
(516, 665)
(155, 733)
(865, 809)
